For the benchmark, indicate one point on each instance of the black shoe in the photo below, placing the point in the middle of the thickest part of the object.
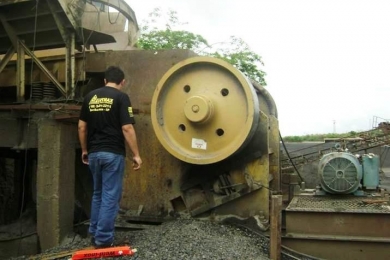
(104, 245)
(93, 242)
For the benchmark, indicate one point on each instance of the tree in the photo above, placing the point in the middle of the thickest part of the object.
(240, 55)
(236, 51)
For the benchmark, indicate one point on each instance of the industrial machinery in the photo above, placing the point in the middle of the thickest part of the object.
(344, 173)
(340, 173)
(349, 195)
(207, 114)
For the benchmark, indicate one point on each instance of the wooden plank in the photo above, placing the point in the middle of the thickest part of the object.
(52, 256)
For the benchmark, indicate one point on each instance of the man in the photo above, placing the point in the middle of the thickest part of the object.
(106, 122)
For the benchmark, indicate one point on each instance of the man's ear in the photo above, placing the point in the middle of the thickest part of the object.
(123, 82)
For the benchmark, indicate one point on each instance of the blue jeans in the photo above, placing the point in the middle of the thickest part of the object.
(107, 171)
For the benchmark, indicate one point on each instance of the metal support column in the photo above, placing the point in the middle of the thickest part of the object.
(70, 66)
(21, 72)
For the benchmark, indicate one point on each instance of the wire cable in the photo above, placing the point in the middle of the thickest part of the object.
(288, 155)
(116, 19)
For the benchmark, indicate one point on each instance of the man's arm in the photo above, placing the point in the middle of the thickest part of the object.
(83, 130)
(131, 140)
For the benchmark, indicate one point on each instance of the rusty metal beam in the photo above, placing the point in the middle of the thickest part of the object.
(7, 57)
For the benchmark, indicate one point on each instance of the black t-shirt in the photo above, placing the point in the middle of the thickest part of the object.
(106, 110)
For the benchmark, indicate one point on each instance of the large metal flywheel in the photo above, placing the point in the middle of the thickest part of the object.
(204, 110)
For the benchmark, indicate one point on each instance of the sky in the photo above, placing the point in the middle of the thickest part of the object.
(327, 61)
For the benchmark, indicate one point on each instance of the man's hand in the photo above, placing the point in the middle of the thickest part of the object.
(84, 157)
(137, 162)
(83, 130)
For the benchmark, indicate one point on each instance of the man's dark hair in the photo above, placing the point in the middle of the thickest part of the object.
(114, 74)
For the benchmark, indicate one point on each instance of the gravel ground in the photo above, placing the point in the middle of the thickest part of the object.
(184, 239)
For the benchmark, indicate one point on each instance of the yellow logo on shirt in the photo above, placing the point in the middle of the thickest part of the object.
(130, 109)
(100, 104)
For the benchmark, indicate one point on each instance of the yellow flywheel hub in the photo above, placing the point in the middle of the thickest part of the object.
(204, 110)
